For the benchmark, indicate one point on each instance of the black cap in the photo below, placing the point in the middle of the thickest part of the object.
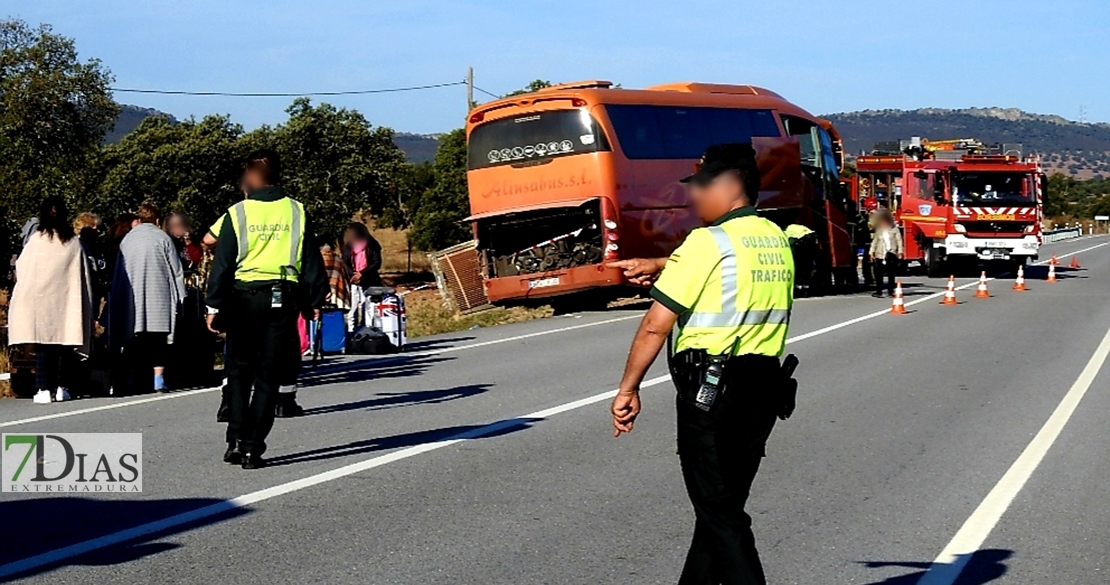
(721, 158)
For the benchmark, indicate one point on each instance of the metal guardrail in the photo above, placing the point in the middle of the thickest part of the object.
(1061, 234)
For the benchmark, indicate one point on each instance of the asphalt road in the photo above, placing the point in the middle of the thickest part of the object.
(488, 457)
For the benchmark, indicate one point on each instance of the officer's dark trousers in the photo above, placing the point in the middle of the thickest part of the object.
(258, 349)
(720, 452)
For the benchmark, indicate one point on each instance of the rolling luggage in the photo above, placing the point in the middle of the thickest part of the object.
(332, 331)
(385, 311)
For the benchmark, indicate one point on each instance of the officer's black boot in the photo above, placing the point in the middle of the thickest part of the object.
(233, 455)
(287, 406)
(224, 413)
(252, 461)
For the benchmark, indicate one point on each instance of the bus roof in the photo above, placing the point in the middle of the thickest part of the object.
(595, 92)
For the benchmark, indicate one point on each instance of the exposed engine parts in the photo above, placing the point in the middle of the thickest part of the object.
(577, 248)
(542, 240)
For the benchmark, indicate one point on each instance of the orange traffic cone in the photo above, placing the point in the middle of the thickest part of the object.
(950, 292)
(898, 305)
(1051, 273)
(981, 292)
(1074, 262)
(1019, 284)
(1054, 261)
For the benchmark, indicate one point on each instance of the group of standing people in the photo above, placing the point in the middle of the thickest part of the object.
(70, 279)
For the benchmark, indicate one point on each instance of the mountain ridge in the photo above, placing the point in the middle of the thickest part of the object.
(1073, 148)
(1066, 146)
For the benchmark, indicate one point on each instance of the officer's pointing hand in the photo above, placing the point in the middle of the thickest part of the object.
(640, 271)
(626, 407)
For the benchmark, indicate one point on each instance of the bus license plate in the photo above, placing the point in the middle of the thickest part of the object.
(543, 282)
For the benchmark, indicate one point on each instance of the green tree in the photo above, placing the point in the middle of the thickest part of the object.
(54, 112)
(191, 167)
(437, 217)
(532, 87)
(336, 163)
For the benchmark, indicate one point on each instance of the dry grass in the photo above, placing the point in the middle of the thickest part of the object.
(395, 257)
(427, 316)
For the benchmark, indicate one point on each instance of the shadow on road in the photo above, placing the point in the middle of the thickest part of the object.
(984, 566)
(401, 441)
(40, 525)
(431, 344)
(386, 400)
(396, 366)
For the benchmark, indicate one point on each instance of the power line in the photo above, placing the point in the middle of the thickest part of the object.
(308, 93)
(490, 94)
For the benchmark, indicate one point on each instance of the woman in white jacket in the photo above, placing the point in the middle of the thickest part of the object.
(51, 304)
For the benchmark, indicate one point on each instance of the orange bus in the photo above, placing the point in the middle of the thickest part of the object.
(568, 178)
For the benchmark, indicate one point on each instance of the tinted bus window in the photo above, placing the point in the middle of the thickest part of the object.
(671, 132)
(538, 136)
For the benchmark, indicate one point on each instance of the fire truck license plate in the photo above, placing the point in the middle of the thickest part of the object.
(543, 282)
(1003, 246)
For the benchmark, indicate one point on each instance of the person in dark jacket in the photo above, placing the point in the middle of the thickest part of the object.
(266, 269)
(362, 256)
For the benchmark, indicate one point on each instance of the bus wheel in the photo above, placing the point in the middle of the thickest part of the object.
(934, 266)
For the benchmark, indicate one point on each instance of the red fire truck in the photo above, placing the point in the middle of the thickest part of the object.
(959, 202)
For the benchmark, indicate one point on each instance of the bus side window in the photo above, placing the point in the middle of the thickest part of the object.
(807, 140)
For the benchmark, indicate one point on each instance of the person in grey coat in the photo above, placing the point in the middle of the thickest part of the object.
(148, 287)
(887, 251)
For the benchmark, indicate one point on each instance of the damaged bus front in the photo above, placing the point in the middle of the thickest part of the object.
(543, 216)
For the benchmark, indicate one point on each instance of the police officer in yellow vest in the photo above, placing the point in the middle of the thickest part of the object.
(729, 288)
(266, 268)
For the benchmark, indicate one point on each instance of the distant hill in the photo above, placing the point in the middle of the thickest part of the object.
(1080, 150)
(129, 119)
(418, 147)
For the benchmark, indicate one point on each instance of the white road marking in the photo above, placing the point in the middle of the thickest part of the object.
(272, 492)
(297, 485)
(432, 352)
(952, 560)
(322, 370)
(944, 571)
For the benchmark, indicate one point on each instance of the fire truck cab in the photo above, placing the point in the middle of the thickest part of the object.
(959, 203)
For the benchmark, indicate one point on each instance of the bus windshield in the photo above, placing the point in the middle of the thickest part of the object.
(680, 132)
(992, 189)
(533, 137)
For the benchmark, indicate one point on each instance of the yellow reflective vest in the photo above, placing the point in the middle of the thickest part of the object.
(734, 279)
(796, 231)
(269, 236)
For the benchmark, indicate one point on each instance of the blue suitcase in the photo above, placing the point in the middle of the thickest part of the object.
(332, 331)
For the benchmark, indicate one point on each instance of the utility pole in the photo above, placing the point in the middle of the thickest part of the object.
(469, 88)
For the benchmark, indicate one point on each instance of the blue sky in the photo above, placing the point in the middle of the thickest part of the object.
(1045, 57)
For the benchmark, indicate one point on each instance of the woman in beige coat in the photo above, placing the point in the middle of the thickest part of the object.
(51, 305)
(887, 252)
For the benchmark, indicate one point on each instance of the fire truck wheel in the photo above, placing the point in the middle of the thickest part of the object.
(934, 266)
